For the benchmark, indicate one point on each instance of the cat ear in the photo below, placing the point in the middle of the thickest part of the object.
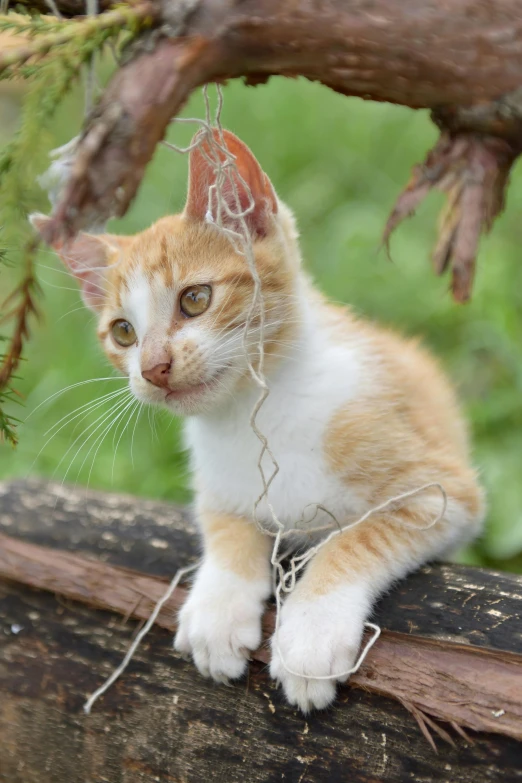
(86, 257)
(248, 176)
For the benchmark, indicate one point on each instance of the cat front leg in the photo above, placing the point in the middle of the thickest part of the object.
(319, 636)
(220, 623)
(322, 621)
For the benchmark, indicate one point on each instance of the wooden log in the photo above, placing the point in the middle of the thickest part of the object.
(466, 685)
(162, 721)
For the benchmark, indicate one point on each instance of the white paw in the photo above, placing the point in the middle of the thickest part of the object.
(220, 623)
(317, 638)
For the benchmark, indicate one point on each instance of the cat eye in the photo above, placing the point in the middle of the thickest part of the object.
(195, 300)
(123, 333)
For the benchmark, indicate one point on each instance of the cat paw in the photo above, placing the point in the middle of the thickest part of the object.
(220, 623)
(318, 638)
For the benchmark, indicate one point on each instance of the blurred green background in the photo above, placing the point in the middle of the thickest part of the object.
(339, 163)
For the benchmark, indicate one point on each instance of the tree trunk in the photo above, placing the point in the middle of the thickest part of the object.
(449, 650)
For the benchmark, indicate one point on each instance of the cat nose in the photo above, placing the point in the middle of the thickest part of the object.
(158, 375)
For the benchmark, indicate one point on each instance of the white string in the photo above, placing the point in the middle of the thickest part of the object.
(51, 5)
(287, 579)
(91, 7)
(135, 644)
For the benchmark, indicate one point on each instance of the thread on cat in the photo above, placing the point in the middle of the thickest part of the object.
(226, 171)
(286, 583)
(222, 161)
(139, 637)
(287, 579)
(224, 168)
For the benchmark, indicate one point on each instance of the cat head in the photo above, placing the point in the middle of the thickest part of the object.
(172, 301)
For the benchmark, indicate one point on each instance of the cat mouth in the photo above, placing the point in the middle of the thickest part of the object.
(183, 392)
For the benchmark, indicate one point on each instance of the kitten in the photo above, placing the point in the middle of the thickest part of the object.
(355, 416)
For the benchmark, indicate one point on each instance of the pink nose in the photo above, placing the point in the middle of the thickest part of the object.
(158, 375)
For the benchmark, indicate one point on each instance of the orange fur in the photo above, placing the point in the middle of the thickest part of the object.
(404, 432)
(409, 417)
(236, 544)
(396, 428)
(181, 252)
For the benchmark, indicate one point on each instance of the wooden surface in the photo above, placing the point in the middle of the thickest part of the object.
(463, 684)
(162, 721)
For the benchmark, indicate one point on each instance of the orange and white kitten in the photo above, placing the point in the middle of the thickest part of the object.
(355, 416)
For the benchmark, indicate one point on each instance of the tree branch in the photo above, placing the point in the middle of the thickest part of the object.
(469, 686)
(20, 306)
(39, 47)
(67, 8)
(462, 59)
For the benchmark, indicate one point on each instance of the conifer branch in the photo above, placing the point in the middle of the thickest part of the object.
(21, 304)
(18, 308)
(67, 8)
(67, 32)
(51, 60)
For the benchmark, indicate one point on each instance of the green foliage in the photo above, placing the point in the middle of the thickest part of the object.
(8, 422)
(60, 49)
(32, 26)
(339, 163)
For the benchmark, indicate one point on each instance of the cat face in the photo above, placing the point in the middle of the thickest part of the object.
(173, 301)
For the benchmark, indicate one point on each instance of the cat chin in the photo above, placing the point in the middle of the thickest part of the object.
(193, 406)
(186, 401)
(203, 399)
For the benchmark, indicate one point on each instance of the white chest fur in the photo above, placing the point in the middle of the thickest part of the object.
(304, 395)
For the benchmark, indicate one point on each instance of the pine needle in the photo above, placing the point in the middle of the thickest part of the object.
(51, 61)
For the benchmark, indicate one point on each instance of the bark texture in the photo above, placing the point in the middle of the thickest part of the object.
(460, 58)
(459, 685)
(450, 650)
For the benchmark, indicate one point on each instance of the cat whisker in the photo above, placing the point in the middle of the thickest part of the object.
(96, 425)
(102, 438)
(134, 431)
(74, 310)
(241, 318)
(69, 274)
(220, 383)
(86, 407)
(151, 416)
(74, 386)
(125, 425)
(102, 419)
(238, 350)
(266, 326)
(98, 440)
(58, 287)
